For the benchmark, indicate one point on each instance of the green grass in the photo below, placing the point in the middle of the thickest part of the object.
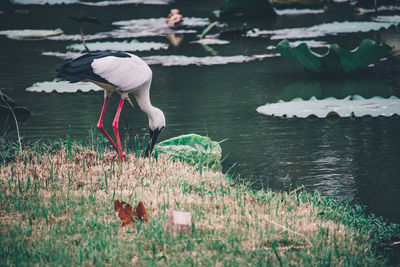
(57, 209)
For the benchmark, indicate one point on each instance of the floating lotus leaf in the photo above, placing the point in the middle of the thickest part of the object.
(296, 12)
(321, 30)
(179, 60)
(138, 28)
(356, 106)
(63, 87)
(211, 41)
(337, 60)
(193, 149)
(31, 34)
(90, 3)
(125, 2)
(133, 45)
(44, 2)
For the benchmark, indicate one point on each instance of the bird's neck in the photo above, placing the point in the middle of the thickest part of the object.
(143, 100)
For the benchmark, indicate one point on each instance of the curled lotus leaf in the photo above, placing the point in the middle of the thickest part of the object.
(337, 60)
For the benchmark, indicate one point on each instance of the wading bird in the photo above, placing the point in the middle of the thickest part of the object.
(123, 73)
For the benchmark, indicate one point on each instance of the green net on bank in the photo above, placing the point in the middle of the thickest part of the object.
(193, 149)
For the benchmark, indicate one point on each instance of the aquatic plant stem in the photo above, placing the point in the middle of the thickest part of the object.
(15, 120)
(83, 38)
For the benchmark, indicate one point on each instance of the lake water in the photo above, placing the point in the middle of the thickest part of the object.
(349, 158)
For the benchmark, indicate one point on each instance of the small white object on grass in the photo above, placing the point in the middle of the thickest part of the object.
(179, 221)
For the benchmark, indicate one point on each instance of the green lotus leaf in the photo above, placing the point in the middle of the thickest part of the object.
(337, 60)
(193, 149)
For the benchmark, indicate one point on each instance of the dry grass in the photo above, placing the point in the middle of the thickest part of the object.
(62, 203)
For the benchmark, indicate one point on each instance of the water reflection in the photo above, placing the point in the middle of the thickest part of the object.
(175, 39)
(320, 89)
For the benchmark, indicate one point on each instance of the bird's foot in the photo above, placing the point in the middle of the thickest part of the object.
(116, 156)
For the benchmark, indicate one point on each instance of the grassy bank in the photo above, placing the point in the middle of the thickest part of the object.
(57, 208)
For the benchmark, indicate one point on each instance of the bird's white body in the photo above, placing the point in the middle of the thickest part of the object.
(127, 74)
(123, 73)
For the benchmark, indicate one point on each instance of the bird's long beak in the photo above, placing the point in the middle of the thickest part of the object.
(152, 141)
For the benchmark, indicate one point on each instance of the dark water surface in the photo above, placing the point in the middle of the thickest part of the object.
(347, 158)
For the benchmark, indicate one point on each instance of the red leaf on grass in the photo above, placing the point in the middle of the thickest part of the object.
(127, 214)
(141, 211)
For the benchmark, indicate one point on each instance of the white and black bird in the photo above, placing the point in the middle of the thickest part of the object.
(123, 73)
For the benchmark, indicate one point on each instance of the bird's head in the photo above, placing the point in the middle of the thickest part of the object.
(156, 125)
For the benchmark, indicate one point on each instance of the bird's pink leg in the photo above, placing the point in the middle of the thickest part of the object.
(115, 127)
(100, 124)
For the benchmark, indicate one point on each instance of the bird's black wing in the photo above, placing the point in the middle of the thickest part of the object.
(80, 68)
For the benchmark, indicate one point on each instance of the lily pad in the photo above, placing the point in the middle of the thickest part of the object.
(336, 60)
(27, 34)
(133, 45)
(193, 149)
(390, 19)
(325, 29)
(211, 41)
(58, 86)
(126, 2)
(137, 28)
(296, 12)
(44, 2)
(350, 106)
(178, 60)
(379, 9)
